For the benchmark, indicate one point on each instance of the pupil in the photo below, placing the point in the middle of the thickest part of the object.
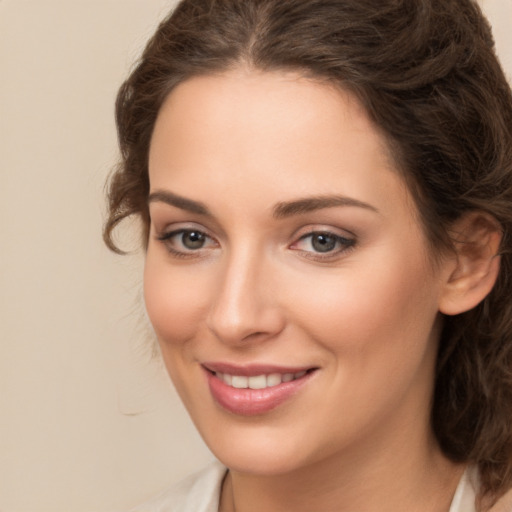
(323, 243)
(193, 240)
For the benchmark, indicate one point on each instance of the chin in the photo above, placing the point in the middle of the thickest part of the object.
(258, 449)
(262, 464)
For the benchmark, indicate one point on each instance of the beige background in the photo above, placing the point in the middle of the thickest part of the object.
(88, 420)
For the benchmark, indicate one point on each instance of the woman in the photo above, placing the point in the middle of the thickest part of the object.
(326, 193)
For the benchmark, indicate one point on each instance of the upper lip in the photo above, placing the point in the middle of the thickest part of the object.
(252, 370)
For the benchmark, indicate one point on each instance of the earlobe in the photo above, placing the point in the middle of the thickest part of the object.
(473, 269)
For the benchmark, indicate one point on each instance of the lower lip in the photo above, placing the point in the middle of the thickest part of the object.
(250, 402)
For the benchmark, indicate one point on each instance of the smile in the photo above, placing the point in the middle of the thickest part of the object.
(254, 390)
(259, 381)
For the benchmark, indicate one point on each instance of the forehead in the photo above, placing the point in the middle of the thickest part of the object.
(253, 100)
(243, 128)
(283, 106)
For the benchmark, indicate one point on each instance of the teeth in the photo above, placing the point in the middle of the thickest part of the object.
(259, 381)
(239, 381)
(274, 379)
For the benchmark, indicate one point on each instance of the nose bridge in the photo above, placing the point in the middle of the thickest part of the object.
(244, 306)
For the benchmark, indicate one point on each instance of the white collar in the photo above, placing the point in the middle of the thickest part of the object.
(465, 494)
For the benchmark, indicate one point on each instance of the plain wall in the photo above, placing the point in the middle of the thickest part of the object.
(88, 419)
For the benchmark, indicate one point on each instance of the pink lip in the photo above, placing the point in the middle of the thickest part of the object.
(251, 402)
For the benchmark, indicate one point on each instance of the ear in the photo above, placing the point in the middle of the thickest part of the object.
(473, 268)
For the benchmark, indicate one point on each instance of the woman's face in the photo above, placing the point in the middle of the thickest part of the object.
(287, 277)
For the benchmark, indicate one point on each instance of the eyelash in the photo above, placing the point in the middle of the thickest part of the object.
(342, 244)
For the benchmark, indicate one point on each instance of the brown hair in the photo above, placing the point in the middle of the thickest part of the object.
(427, 73)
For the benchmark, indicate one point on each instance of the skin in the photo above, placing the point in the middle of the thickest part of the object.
(366, 314)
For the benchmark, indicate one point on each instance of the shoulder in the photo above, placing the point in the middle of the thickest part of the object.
(199, 492)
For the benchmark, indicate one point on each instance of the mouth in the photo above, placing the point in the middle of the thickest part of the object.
(259, 381)
(253, 390)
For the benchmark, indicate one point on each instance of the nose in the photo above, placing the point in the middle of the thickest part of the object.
(245, 306)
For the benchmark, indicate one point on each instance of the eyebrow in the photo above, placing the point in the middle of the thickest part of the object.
(179, 202)
(309, 204)
(281, 210)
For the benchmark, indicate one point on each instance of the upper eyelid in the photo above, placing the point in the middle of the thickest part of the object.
(342, 235)
(163, 223)
(350, 239)
(167, 234)
(298, 234)
(161, 228)
(320, 228)
(327, 232)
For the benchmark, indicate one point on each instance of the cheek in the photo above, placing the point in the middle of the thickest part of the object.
(379, 328)
(174, 301)
(380, 307)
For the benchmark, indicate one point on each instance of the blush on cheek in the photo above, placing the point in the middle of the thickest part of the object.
(171, 307)
(368, 311)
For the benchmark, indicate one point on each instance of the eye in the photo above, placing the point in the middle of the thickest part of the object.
(323, 243)
(192, 239)
(185, 242)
